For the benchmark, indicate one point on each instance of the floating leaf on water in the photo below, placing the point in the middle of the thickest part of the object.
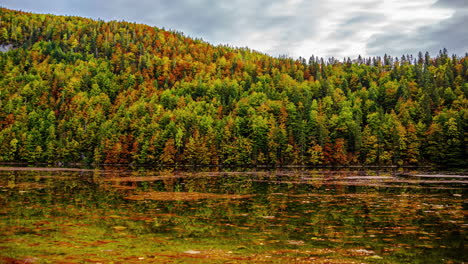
(317, 239)
(362, 251)
(115, 216)
(295, 242)
(192, 252)
(119, 228)
(426, 246)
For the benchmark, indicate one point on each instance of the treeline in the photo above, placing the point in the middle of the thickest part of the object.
(79, 90)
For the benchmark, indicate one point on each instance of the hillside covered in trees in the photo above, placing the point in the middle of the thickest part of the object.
(78, 90)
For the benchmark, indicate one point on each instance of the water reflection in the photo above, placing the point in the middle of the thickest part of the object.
(279, 216)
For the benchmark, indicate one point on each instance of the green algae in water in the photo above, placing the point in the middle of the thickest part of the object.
(98, 216)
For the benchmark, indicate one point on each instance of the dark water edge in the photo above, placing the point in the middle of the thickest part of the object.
(213, 215)
(223, 166)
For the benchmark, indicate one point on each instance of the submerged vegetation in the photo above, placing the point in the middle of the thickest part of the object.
(78, 90)
(99, 216)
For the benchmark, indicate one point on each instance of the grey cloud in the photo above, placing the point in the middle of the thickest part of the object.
(451, 33)
(452, 3)
(36, 6)
(362, 18)
(338, 51)
(212, 20)
(342, 34)
(295, 29)
(351, 27)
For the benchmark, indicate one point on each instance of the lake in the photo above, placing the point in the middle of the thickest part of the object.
(212, 216)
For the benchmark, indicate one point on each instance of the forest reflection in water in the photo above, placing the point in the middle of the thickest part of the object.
(320, 216)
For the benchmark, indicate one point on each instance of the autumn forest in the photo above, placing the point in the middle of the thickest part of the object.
(95, 92)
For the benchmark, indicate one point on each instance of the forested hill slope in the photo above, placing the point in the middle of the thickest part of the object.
(79, 90)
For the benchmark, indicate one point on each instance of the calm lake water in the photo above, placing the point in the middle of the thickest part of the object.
(281, 216)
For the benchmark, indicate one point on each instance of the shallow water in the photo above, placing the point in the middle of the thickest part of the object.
(298, 216)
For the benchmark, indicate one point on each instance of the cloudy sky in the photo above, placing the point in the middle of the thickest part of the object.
(338, 28)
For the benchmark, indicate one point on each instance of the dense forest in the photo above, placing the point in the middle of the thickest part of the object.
(79, 90)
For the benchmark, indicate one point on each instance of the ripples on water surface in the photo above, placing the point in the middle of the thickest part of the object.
(303, 216)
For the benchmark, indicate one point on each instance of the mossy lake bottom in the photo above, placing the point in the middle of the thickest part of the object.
(279, 216)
